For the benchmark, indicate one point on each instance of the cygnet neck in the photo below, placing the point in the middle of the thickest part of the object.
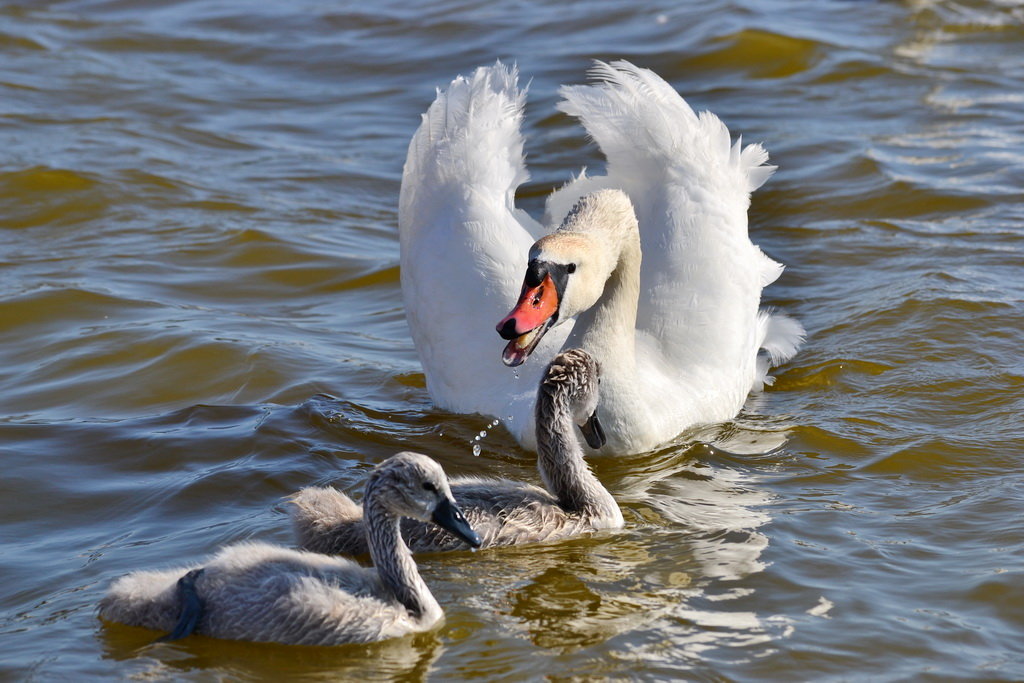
(392, 558)
(560, 457)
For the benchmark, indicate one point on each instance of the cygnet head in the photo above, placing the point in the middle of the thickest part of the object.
(572, 382)
(568, 270)
(413, 485)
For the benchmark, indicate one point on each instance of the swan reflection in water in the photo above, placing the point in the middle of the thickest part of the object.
(692, 542)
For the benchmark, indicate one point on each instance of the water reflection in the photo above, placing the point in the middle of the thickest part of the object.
(584, 596)
(409, 658)
(719, 506)
(698, 504)
(679, 568)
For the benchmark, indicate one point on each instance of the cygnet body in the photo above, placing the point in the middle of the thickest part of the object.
(502, 512)
(266, 593)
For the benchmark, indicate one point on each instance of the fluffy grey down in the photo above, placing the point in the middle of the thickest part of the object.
(502, 512)
(263, 592)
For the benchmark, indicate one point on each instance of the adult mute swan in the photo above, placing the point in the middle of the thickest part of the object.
(266, 593)
(502, 512)
(652, 260)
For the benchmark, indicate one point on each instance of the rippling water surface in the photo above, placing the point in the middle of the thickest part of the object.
(200, 313)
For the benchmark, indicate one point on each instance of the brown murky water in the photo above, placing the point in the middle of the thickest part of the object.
(200, 313)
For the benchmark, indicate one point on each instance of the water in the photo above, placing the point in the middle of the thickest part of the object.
(200, 313)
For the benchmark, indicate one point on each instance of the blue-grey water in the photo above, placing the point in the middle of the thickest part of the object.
(200, 313)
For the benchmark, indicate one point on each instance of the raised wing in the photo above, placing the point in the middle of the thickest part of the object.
(701, 277)
(464, 245)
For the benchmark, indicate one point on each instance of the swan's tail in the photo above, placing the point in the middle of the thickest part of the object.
(327, 521)
(145, 598)
(781, 337)
(469, 137)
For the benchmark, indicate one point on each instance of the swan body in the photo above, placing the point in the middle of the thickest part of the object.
(651, 269)
(261, 592)
(502, 512)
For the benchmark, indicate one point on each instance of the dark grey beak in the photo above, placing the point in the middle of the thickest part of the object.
(449, 517)
(593, 432)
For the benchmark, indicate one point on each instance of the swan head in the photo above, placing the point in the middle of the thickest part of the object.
(567, 270)
(572, 382)
(413, 485)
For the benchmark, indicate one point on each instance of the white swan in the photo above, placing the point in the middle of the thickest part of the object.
(266, 593)
(502, 512)
(677, 333)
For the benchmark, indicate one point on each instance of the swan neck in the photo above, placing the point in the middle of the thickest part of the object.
(607, 330)
(393, 560)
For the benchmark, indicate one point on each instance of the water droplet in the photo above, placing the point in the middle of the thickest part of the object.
(515, 373)
(476, 438)
(494, 424)
(483, 434)
(476, 449)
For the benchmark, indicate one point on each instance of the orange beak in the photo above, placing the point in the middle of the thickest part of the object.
(536, 305)
(534, 313)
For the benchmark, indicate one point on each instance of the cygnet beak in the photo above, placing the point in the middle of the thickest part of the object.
(593, 432)
(449, 517)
